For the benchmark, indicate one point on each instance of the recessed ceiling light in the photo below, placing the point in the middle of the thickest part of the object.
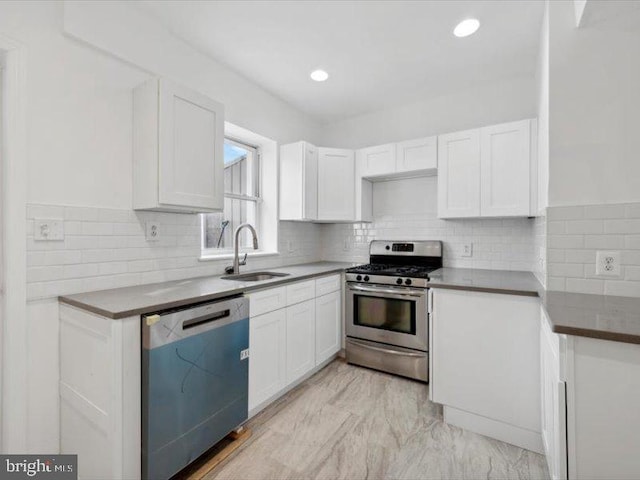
(319, 75)
(466, 27)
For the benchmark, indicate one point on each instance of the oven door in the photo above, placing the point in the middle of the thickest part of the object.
(393, 315)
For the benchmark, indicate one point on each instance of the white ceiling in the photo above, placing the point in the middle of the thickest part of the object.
(378, 53)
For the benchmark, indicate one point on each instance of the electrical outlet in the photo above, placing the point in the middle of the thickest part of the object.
(467, 250)
(290, 246)
(152, 231)
(48, 229)
(608, 264)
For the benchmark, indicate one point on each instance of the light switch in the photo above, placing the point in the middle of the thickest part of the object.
(48, 229)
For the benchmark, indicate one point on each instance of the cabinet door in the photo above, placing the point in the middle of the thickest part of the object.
(379, 160)
(505, 169)
(328, 326)
(485, 355)
(553, 405)
(301, 343)
(459, 174)
(417, 155)
(336, 184)
(267, 356)
(191, 136)
(298, 181)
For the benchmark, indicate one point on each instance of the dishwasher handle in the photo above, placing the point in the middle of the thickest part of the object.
(194, 322)
(172, 326)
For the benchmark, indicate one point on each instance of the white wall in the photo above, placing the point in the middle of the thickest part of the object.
(594, 104)
(542, 83)
(510, 99)
(80, 154)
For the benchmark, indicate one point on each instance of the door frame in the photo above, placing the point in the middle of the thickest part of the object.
(13, 389)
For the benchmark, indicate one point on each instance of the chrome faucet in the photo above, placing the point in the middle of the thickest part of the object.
(236, 259)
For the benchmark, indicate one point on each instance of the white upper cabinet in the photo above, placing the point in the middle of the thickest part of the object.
(505, 169)
(459, 174)
(336, 182)
(379, 160)
(178, 149)
(487, 172)
(299, 182)
(417, 155)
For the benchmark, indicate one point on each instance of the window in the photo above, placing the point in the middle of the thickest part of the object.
(241, 199)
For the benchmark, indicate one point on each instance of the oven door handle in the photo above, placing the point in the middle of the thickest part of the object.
(389, 291)
(385, 350)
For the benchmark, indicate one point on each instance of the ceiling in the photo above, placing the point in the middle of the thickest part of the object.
(378, 53)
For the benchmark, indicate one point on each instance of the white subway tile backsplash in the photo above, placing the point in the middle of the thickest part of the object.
(586, 230)
(585, 285)
(632, 242)
(565, 241)
(632, 272)
(575, 270)
(579, 256)
(628, 225)
(631, 257)
(584, 226)
(622, 288)
(557, 283)
(604, 241)
(107, 248)
(509, 244)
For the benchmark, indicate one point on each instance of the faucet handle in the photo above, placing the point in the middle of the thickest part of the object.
(244, 260)
(229, 270)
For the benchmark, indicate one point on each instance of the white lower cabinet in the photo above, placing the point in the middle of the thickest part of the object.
(485, 364)
(267, 362)
(553, 404)
(292, 334)
(301, 341)
(603, 418)
(328, 323)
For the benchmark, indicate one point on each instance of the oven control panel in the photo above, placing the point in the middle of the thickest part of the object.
(386, 280)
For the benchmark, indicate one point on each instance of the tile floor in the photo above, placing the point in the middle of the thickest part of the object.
(348, 422)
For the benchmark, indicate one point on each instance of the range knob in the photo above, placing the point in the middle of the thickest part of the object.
(366, 278)
(399, 281)
(407, 281)
(359, 277)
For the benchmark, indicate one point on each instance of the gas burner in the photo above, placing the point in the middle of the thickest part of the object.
(393, 270)
(409, 263)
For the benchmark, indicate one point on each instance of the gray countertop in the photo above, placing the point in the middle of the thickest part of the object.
(491, 281)
(603, 317)
(142, 299)
(597, 316)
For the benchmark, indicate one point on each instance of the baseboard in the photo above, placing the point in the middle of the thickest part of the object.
(520, 437)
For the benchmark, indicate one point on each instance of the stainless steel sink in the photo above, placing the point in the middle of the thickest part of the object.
(254, 276)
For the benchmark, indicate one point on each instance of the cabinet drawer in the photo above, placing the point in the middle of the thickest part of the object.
(301, 291)
(328, 284)
(267, 300)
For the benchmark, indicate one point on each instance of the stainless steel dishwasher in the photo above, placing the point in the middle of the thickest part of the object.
(195, 373)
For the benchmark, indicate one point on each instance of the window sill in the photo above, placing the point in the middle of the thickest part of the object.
(209, 257)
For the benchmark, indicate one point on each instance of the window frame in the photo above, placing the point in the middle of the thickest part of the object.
(227, 252)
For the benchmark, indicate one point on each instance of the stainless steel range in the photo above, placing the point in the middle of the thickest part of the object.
(387, 307)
